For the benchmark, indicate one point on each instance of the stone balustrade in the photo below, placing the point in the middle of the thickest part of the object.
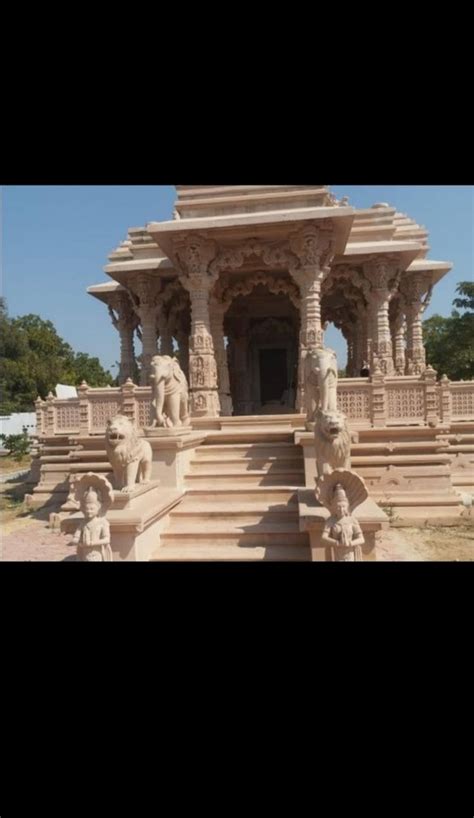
(378, 401)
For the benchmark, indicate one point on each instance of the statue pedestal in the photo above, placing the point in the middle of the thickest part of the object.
(136, 521)
(123, 499)
(313, 518)
(167, 432)
(173, 450)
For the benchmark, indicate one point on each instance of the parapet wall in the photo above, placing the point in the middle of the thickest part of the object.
(375, 402)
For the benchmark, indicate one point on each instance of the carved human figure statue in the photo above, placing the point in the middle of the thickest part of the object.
(342, 531)
(320, 381)
(341, 491)
(170, 403)
(92, 536)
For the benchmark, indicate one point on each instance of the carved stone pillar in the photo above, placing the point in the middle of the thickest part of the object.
(360, 353)
(312, 248)
(146, 309)
(194, 256)
(166, 338)
(183, 351)
(217, 331)
(149, 349)
(413, 290)
(382, 278)
(399, 328)
(125, 321)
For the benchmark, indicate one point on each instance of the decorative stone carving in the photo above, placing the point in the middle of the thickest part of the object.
(125, 320)
(94, 494)
(217, 332)
(146, 307)
(341, 492)
(170, 404)
(379, 283)
(313, 247)
(413, 289)
(194, 256)
(275, 284)
(273, 254)
(129, 456)
(332, 442)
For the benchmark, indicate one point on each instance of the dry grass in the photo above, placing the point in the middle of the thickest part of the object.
(8, 464)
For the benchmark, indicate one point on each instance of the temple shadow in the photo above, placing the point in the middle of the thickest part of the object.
(15, 492)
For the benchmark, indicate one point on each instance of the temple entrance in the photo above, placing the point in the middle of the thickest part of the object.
(273, 374)
(263, 329)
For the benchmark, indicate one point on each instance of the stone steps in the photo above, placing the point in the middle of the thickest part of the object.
(260, 495)
(283, 449)
(182, 551)
(238, 465)
(251, 478)
(220, 515)
(234, 511)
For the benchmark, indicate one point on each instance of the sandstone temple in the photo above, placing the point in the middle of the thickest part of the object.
(239, 286)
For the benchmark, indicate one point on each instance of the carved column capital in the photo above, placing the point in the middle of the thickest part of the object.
(193, 256)
(382, 275)
(122, 312)
(313, 247)
(413, 286)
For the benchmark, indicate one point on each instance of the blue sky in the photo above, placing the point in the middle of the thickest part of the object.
(56, 239)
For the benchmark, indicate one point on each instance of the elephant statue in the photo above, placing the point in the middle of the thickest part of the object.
(320, 374)
(170, 404)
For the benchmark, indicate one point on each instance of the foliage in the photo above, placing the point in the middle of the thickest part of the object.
(449, 341)
(17, 445)
(34, 358)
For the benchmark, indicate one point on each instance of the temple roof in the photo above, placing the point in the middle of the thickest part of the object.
(228, 210)
(206, 201)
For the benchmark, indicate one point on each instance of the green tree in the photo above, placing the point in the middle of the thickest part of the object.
(449, 341)
(34, 358)
(90, 370)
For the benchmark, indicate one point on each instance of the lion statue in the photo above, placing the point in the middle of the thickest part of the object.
(170, 404)
(129, 455)
(332, 442)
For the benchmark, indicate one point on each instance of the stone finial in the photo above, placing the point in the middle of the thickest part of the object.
(128, 386)
(430, 373)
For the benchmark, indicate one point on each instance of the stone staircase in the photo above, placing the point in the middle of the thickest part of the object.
(241, 504)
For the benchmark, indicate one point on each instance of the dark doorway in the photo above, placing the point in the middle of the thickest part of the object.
(273, 374)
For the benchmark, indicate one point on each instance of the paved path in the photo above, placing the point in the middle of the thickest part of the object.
(30, 540)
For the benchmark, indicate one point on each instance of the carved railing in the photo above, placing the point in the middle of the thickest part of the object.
(367, 402)
(462, 399)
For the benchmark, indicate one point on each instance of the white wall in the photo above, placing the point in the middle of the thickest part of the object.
(13, 424)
